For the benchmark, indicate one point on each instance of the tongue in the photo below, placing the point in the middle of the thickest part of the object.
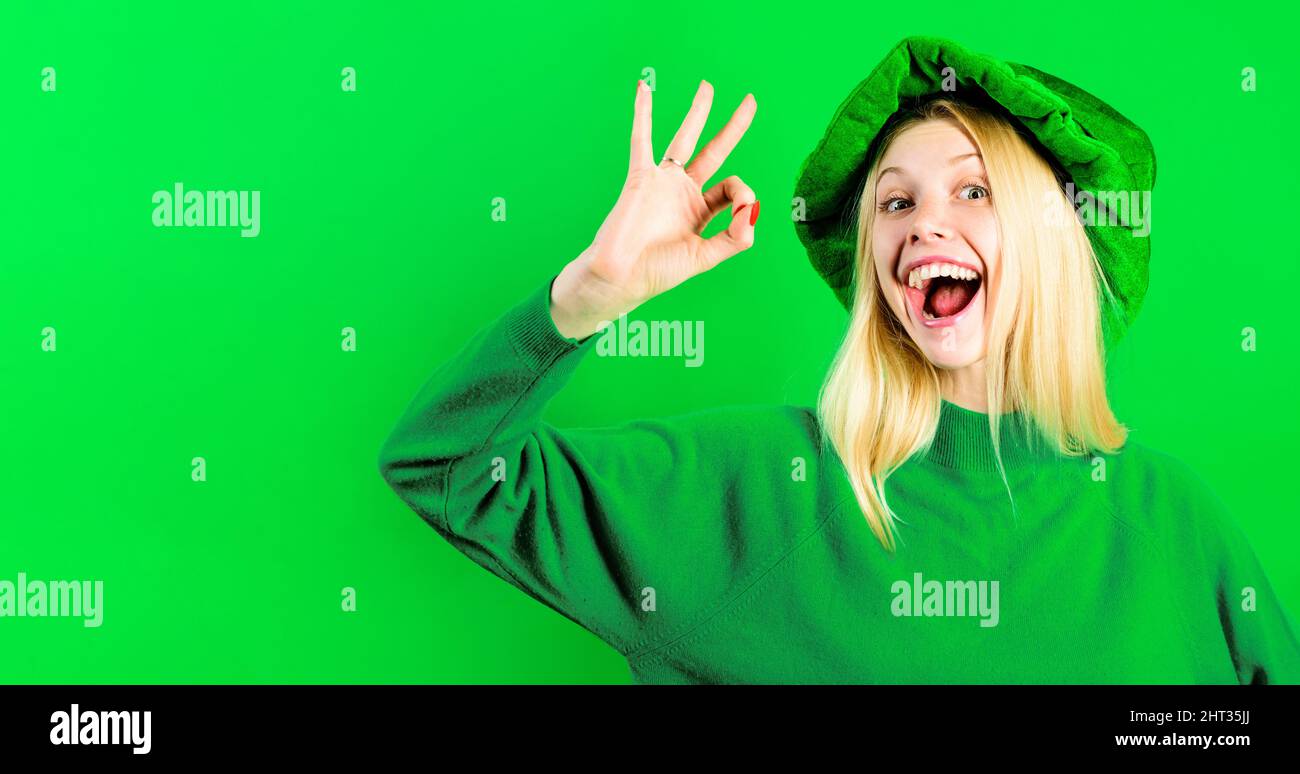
(950, 297)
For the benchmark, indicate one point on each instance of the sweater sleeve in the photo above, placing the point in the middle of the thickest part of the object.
(1260, 632)
(596, 523)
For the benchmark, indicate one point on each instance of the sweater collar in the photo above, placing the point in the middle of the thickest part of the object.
(962, 441)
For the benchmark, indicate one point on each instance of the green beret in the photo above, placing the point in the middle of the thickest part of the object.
(1088, 143)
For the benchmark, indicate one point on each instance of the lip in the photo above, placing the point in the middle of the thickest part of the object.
(916, 301)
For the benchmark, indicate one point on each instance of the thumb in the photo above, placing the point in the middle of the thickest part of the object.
(738, 236)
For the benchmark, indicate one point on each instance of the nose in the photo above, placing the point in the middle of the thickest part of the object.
(929, 222)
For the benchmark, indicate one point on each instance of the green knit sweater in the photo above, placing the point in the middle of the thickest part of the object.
(726, 545)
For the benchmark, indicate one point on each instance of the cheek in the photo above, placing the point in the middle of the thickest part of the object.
(885, 242)
(880, 255)
(881, 265)
(885, 253)
(982, 233)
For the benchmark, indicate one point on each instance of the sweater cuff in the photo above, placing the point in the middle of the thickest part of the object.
(533, 333)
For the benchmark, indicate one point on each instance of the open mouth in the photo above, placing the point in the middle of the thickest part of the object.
(939, 292)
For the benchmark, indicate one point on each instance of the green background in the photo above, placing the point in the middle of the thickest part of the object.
(376, 214)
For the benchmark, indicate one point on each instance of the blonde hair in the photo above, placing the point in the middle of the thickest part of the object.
(881, 401)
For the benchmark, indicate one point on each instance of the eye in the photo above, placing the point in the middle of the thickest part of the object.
(888, 204)
(977, 187)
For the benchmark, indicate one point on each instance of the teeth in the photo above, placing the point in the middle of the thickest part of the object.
(928, 316)
(916, 277)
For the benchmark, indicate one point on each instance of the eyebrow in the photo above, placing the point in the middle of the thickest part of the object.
(951, 161)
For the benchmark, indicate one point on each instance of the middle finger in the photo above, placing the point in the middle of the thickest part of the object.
(716, 152)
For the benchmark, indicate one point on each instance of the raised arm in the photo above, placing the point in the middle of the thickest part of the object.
(574, 517)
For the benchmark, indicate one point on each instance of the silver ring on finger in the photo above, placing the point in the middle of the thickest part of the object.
(673, 160)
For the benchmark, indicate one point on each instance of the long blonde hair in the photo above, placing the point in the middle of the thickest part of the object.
(881, 401)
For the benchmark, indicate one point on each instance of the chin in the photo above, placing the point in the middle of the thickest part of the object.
(960, 358)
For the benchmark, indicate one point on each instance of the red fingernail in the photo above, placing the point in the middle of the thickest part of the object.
(753, 215)
(738, 209)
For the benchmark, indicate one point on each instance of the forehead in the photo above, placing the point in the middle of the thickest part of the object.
(930, 143)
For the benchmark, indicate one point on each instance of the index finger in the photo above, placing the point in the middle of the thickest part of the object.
(642, 154)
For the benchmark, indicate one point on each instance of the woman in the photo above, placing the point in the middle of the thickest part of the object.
(1023, 538)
